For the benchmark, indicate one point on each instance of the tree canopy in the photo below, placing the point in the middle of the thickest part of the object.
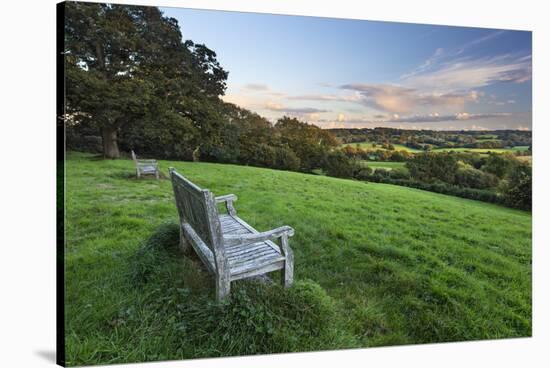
(129, 72)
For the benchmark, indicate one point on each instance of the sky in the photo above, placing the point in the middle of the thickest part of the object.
(342, 73)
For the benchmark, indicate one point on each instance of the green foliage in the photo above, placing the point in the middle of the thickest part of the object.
(400, 173)
(337, 164)
(128, 72)
(474, 178)
(308, 141)
(517, 189)
(499, 165)
(430, 167)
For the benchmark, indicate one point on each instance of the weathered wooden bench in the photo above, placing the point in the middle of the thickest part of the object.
(145, 167)
(230, 248)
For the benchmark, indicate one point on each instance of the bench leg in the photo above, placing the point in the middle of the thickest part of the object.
(137, 173)
(223, 287)
(287, 274)
(184, 244)
(157, 174)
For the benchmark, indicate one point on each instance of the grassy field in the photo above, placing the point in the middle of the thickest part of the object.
(401, 147)
(388, 165)
(483, 150)
(375, 265)
(368, 146)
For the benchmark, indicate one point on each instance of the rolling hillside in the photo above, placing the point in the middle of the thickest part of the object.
(395, 265)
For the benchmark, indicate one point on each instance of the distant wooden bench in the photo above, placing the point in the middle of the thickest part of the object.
(145, 167)
(230, 248)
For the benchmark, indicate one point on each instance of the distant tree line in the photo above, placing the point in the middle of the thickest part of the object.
(428, 139)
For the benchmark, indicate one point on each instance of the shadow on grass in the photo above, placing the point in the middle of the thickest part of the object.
(257, 317)
(131, 175)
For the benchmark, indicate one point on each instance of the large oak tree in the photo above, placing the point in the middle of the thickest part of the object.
(128, 70)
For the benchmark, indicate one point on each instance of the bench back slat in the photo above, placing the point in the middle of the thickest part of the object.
(197, 207)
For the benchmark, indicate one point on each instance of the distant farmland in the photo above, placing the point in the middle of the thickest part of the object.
(400, 147)
(388, 165)
(368, 146)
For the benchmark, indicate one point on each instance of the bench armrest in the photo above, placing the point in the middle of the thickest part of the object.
(246, 239)
(228, 199)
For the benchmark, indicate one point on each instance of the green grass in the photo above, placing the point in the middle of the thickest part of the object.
(388, 165)
(375, 265)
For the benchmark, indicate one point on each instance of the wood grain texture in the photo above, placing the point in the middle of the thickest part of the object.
(229, 247)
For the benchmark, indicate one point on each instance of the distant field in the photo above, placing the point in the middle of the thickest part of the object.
(388, 165)
(482, 150)
(487, 137)
(401, 147)
(368, 146)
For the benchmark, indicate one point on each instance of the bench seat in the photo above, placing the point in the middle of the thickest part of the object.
(145, 167)
(148, 169)
(244, 259)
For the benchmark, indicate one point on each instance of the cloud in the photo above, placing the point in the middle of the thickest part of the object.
(293, 110)
(256, 87)
(315, 97)
(260, 88)
(402, 100)
(456, 69)
(414, 119)
(466, 74)
(431, 118)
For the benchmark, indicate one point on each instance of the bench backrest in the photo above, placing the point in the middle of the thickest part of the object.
(197, 207)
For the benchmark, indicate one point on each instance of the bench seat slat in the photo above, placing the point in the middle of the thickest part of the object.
(243, 259)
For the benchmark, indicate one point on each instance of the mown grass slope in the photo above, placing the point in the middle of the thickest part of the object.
(375, 265)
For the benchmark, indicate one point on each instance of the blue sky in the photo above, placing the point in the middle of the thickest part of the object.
(357, 73)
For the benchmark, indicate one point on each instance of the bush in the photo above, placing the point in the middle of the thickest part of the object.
(431, 167)
(364, 173)
(338, 164)
(474, 178)
(499, 164)
(400, 173)
(517, 188)
(286, 159)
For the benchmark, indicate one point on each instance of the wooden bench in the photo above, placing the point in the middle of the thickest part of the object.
(230, 248)
(145, 167)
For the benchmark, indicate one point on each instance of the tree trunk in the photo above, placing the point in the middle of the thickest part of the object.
(110, 145)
